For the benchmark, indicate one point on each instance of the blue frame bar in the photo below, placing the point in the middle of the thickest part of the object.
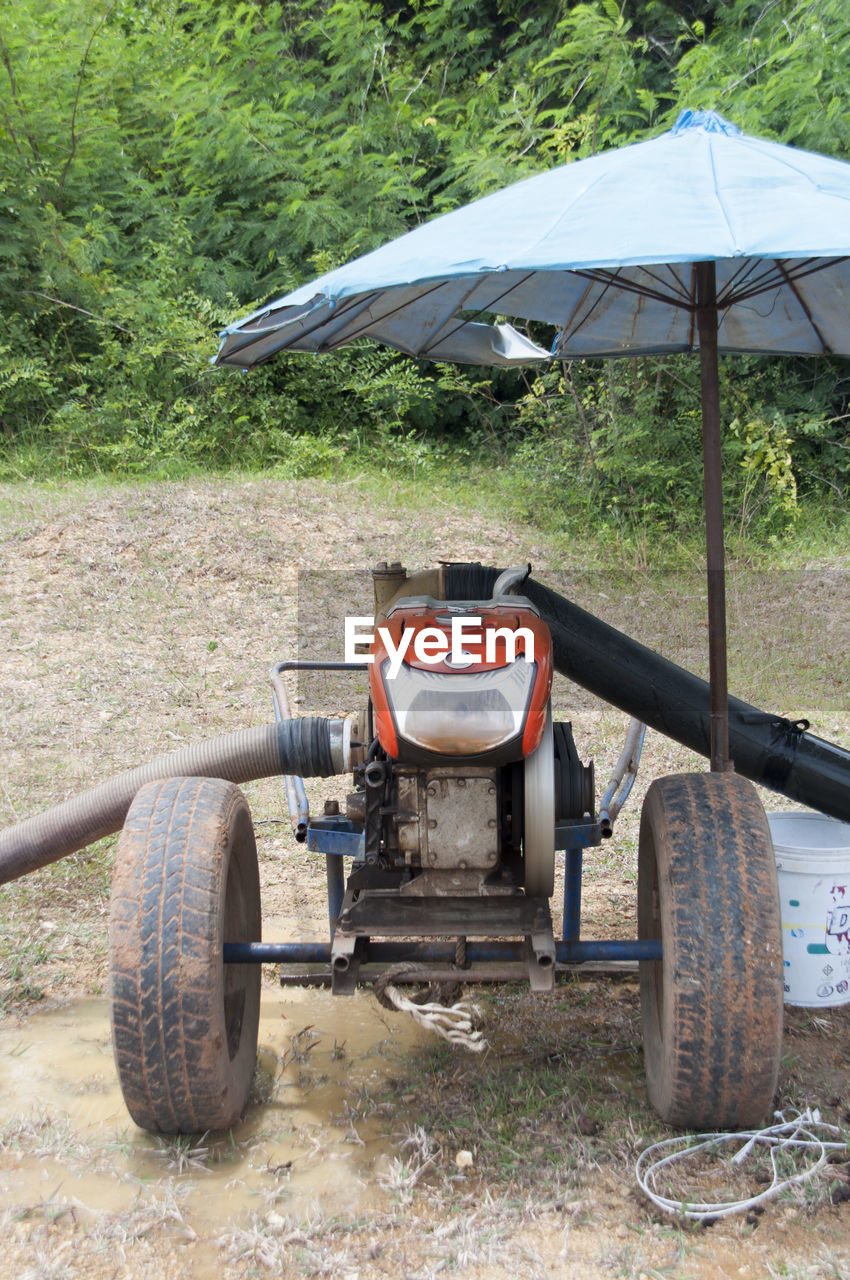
(572, 895)
(567, 952)
(336, 888)
(337, 837)
(608, 949)
(341, 840)
(576, 834)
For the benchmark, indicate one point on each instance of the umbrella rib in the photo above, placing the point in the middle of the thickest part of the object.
(348, 337)
(745, 270)
(752, 284)
(573, 326)
(631, 286)
(257, 335)
(804, 306)
(609, 279)
(490, 307)
(570, 328)
(811, 267)
(357, 303)
(304, 333)
(688, 291)
(680, 289)
(435, 335)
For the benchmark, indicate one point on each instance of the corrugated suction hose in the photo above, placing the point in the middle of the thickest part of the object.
(310, 746)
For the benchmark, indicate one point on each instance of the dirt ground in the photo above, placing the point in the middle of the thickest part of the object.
(139, 618)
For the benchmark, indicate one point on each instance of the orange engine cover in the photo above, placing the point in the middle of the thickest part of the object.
(430, 688)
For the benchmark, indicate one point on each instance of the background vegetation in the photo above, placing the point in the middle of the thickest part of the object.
(169, 164)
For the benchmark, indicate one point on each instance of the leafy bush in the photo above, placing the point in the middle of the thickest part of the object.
(167, 166)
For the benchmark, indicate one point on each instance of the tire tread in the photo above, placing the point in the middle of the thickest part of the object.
(166, 973)
(713, 1035)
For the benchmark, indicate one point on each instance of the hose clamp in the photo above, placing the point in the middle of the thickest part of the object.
(339, 733)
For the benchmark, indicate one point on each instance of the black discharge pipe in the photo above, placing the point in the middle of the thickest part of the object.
(767, 749)
(310, 746)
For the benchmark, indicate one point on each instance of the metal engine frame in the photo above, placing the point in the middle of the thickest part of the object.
(383, 914)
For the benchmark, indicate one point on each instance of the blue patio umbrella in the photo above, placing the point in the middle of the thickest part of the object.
(703, 238)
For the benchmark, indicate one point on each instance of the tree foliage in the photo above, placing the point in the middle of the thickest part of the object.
(167, 164)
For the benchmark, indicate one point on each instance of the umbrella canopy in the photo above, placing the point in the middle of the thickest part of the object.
(603, 249)
(701, 239)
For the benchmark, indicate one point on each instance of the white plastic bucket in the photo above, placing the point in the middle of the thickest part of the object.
(813, 862)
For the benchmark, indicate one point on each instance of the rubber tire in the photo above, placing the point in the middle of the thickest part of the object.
(184, 1024)
(712, 1007)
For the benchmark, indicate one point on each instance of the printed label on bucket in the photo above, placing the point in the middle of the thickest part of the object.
(838, 931)
(816, 952)
(813, 869)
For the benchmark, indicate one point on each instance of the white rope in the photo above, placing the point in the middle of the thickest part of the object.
(796, 1134)
(453, 1022)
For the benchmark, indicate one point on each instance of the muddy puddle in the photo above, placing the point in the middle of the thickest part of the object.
(317, 1139)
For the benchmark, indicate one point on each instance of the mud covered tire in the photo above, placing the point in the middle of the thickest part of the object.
(184, 1024)
(712, 1007)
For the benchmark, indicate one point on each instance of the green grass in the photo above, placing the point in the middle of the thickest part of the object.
(559, 1092)
(50, 920)
(412, 474)
(21, 957)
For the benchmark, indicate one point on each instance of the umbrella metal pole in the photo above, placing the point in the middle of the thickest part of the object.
(713, 494)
